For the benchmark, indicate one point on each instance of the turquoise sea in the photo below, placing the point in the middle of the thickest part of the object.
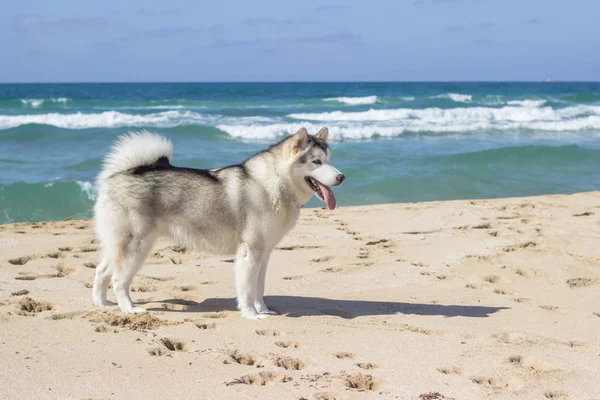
(396, 142)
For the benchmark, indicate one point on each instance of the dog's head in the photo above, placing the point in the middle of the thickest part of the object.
(310, 164)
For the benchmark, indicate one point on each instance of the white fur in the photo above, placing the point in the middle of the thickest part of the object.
(133, 150)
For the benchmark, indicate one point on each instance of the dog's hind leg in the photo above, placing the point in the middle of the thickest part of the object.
(259, 302)
(130, 259)
(103, 274)
(247, 269)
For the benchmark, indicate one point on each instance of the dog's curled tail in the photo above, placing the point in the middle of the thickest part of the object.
(133, 150)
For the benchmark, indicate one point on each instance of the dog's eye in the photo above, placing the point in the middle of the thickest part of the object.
(318, 162)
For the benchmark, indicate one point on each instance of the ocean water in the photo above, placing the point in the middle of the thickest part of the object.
(396, 142)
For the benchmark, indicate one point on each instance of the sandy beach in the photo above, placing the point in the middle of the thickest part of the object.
(485, 299)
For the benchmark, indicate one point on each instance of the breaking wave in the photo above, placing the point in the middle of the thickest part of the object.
(107, 119)
(36, 103)
(459, 98)
(354, 101)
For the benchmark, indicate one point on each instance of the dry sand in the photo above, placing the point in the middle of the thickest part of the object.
(478, 299)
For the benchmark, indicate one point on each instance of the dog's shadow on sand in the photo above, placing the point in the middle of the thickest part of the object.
(297, 306)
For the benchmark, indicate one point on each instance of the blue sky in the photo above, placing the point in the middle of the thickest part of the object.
(378, 40)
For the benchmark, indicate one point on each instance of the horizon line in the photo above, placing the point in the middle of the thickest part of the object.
(291, 81)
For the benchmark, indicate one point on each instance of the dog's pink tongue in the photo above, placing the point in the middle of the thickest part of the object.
(328, 195)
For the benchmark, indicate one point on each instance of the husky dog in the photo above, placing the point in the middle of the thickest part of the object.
(243, 209)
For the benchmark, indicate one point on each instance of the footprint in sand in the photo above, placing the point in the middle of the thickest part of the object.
(55, 255)
(492, 279)
(521, 300)
(21, 260)
(526, 272)
(24, 277)
(215, 315)
(331, 396)
(503, 291)
(267, 332)
(434, 396)
(159, 351)
(88, 249)
(261, 379)
(584, 214)
(484, 381)
(290, 363)
(363, 253)
(186, 288)
(242, 359)
(580, 282)
(104, 329)
(21, 292)
(360, 381)
(450, 369)
(380, 241)
(333, 269)
(62, 271)
(208, 326)
(298, 247)
(367, 365)
(288, 345)
(344, 356)
(134, 322)
(526, 245)
(322, 259)
(484, 225)
(29, 307)
(174, 344)
(549, 308)
(67, 315)
(516, 360)
(293, 277)
(560, 394)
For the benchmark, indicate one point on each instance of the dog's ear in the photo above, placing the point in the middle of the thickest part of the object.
(299, 141)
(323, 133)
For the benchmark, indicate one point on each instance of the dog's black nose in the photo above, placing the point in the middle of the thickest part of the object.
(340, 178)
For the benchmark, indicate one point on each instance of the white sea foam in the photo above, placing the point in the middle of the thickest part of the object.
(407, 98)
(460, 98)
(439, 115)
(88, 188)
(354, 101)
(342, 125)
(107, 119)
(34, 103)
(526, 103)
(367, 124)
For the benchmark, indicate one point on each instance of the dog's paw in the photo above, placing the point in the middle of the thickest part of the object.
(134, 310)
(105, 303)
(263, 309)
(251, 314)
(266, 311)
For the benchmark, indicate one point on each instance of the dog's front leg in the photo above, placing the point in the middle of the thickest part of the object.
(247, 269)
(259, 302)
